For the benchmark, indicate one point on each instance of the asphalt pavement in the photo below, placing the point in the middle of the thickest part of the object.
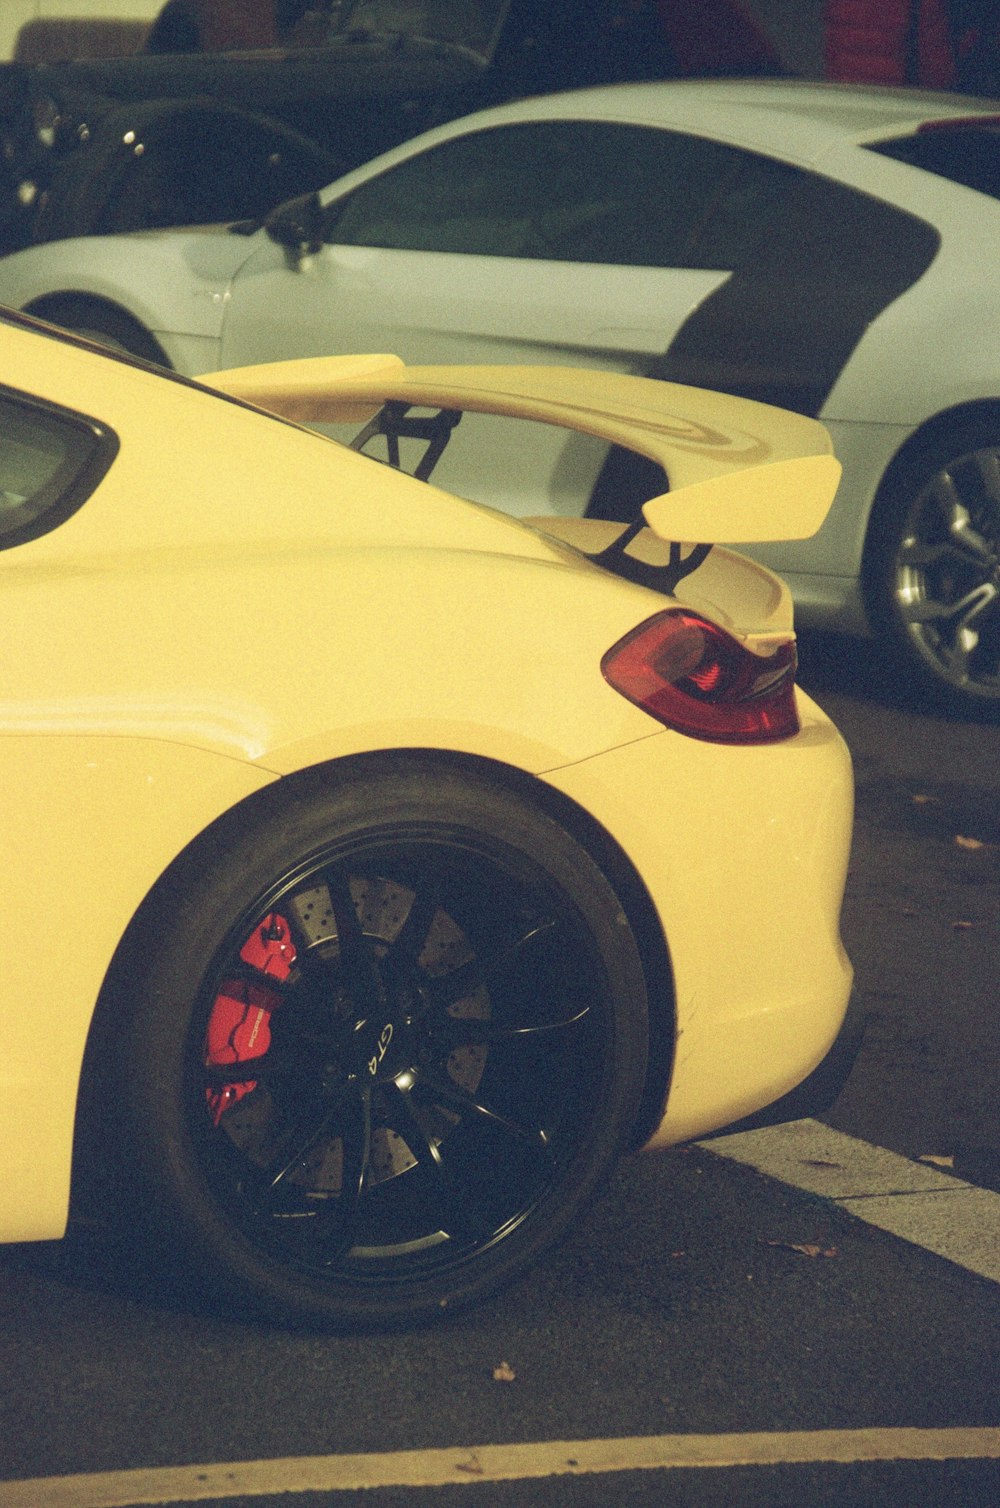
(706, 1314)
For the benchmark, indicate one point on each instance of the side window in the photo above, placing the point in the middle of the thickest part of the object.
(245, 167)
(50, 462)
(969, 155)
(586, 191)
(477, 194)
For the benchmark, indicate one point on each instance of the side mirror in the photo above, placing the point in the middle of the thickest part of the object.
(298, 224)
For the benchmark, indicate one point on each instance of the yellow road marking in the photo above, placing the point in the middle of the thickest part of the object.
(496, 1463)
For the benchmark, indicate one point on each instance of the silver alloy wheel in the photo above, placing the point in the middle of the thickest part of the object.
(946, 574)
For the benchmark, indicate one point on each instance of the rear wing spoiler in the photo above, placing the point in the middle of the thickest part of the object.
(739, 471)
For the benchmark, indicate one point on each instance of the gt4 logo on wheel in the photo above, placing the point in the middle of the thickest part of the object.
(385, 1037)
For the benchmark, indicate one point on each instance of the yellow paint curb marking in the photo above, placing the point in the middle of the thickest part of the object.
(496, 1463)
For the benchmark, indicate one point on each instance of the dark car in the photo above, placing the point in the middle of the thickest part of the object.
(221, 110)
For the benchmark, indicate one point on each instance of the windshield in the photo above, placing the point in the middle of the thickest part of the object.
(96, 30)
(465, 23)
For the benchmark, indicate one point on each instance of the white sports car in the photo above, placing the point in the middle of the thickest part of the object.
(829, 250)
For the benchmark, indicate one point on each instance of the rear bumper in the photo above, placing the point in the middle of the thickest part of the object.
(820, 1089)
(743, 853)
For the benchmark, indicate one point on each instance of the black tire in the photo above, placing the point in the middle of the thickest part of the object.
(102, 323)
(456, 1035)
(933, 569)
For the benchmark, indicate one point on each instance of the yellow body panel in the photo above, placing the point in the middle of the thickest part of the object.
(95, 822)
(241, 600)
(760, 975)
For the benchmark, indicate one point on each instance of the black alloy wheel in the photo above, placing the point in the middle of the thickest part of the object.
(391, 1038)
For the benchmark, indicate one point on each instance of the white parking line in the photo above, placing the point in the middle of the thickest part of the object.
(913, 1200)
(497, 1463)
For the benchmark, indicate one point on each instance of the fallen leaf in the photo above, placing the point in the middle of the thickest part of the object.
(805, 1248)
(924, 800)
(939, 1162)
(504, 1372)
(971, 843)
(961, 926)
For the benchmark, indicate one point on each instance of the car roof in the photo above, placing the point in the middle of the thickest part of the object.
(799, 121)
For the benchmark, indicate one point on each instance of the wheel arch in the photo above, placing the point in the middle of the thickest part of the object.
(635, 901)
(76, 311)
(597, 842)
(918, 447)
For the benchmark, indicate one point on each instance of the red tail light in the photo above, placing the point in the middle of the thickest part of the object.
(692, 676)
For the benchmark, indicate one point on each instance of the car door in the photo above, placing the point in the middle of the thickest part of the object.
(550, 242)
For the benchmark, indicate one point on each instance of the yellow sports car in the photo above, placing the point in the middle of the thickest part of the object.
(376, 866)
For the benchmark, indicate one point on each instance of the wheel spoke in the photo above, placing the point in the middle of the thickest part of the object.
(449, 1032)
(444, 1091)
(218, 1075)
(356, 1133)
(404, 1116)
(350, 938)
(958, 630)
(339, 1217)
(304, 1142)
(327, 1123)
(409, 1120)
(948, 533)
(968, 542)
(920, 554)
(943, 493)
(285, 1062)
(249, 973)
(356, 959)
(961, 614)
(409, 941)
(446, 989)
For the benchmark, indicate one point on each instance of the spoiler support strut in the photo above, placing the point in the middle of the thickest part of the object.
(394, 421)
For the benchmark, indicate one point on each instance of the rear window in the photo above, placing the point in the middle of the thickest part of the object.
(964, 154)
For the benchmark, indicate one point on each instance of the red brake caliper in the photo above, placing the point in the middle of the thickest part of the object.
(239, 1028)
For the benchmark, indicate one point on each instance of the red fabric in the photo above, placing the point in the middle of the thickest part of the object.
(715, 36)
(871, 41)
